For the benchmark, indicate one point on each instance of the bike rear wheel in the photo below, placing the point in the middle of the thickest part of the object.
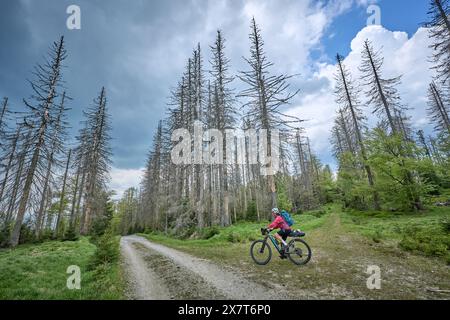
(299, 252)
(261, 252)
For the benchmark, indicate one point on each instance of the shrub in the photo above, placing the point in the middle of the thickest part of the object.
(71, 235)
(208, 233)
(251, 211)
(26, 235)
(107, 250)
(4, 233)
(425, 242)
(184, 233)
(234, 237)
(377, 236)
(445, 223)
(318, 213)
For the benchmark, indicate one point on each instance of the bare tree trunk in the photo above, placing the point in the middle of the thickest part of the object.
(17, 183)
(14, 241)
(10, 162)
(51, 86)
(441, 107)
(63, 195)
(74, 201)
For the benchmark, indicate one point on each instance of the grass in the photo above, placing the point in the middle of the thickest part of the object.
(424, 233)
(32, 272)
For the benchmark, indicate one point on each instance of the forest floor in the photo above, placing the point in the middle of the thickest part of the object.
(342, 253)
(40, 272)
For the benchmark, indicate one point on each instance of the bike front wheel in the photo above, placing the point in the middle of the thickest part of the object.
(261, 252)
(299, 252)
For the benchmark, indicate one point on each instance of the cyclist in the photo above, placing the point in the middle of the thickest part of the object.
(284, 232)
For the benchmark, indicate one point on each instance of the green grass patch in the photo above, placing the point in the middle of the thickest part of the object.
(426, 233)
(242, 232)
(39, 272)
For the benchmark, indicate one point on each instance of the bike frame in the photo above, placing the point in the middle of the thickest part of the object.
(274, 242)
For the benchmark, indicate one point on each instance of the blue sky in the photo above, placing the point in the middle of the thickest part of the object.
(137, 50)
(403, 15)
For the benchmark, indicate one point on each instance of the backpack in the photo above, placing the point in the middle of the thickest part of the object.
(287, 217)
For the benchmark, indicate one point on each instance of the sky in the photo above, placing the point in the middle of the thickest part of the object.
(138, 49)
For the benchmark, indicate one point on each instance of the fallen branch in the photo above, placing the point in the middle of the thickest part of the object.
(438, 290)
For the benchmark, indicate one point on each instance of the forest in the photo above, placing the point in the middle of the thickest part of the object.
(49, 190)
(387, 167)
(228, 149)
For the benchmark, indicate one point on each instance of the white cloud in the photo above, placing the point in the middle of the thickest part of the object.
(122, 179)
(403, 56)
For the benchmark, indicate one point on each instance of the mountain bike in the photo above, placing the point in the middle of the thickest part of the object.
(297, 250)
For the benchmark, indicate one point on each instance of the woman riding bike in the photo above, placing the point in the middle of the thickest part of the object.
(285, 230)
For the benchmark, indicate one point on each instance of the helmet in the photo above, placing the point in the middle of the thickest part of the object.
(275, 211)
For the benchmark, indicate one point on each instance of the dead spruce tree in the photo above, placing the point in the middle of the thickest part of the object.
(266, 94)
(42, 118)
(347, 98)
(9, 155)
(423, 143)
(381, 92)
(305, 185)
(198, 105)
(438, 110)
(3, 114)
(62, 198)
(74, 208)
(96, 160)
(223, 117)
(5, 147)
(79, 185)
(439, 31)
(151, 183)
(57, 148)
(383, 96)
(18, 172)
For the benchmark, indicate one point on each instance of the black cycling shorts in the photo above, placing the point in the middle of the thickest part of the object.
(284, 234)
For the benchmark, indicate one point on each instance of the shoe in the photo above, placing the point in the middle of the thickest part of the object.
(283, 257)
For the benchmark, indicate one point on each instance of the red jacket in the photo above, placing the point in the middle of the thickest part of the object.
(279, 223)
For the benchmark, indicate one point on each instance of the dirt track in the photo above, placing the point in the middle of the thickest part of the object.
(154, 271)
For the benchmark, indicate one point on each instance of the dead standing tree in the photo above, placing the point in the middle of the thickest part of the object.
(56, 149)
(42, 116)
(439, 31)
(438, 111)
(266, 94)
(383, 96)
(224, 116)
(97, 158)
(346, 96)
